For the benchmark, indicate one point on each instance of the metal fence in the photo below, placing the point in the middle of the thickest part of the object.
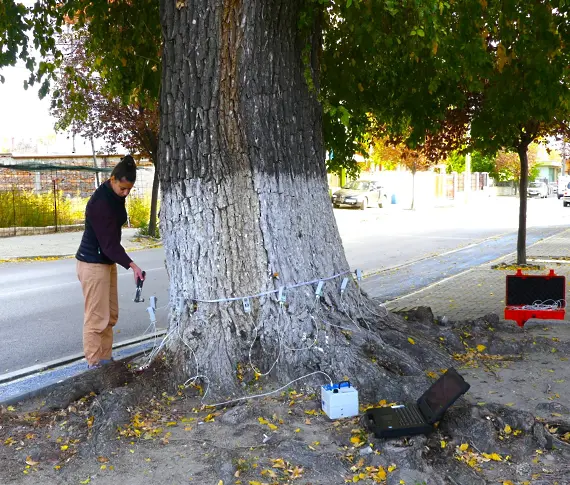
(38, 198)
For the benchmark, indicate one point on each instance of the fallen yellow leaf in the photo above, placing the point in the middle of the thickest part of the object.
(31, 462)
(480, 348)
(411, 340)
(381, 475)
(508, 429)
(464, 447)
(493, 456)
(278, 463)
(270, 473)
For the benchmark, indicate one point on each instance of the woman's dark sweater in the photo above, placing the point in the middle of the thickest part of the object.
(105, 214)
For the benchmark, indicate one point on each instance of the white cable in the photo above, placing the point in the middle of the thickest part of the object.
(177, 330)
(336, 326)
(266, 293)
(270, 392)
(255, 370)
(345, 311)
(314, 342)
(546, 305)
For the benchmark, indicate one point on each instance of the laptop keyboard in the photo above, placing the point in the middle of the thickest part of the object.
(409, 416)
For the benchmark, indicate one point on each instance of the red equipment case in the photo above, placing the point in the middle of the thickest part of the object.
(524, 290)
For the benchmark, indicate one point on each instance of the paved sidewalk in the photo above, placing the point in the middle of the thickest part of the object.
(481, 290)
(61, 244)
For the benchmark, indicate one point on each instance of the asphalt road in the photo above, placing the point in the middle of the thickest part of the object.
(42, 307)
(41, 304)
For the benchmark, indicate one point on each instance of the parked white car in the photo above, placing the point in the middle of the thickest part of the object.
(537, 189)
(566, 195)
(359, 193)
(562, 184)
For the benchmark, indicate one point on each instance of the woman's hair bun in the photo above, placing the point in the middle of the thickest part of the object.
(128, 160)
(125, 169)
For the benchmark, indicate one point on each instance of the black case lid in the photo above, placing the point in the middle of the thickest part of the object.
(527, 289)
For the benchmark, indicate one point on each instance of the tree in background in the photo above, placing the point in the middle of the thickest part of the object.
(508, 167)
(504, 166)
(455, 162)
(390, 154)
(83, 104)
(524, 92)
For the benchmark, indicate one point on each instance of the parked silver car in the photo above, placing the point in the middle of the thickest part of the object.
(537, 189)
(359, 193)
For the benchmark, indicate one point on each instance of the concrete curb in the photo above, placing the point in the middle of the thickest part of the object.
(52, 364)
(22, 390)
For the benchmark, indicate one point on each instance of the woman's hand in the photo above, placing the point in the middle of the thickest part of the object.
(138, 273)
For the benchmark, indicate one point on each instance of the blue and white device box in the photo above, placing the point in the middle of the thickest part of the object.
(339, 400)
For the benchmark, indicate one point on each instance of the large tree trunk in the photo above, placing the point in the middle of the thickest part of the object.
(245, 206)
(522, 150)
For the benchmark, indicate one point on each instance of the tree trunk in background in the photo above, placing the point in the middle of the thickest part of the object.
(245, 207)
(522, 150)
(154, 198)
(412, 207)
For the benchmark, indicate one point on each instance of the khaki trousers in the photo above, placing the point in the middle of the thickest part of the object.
(99, 284)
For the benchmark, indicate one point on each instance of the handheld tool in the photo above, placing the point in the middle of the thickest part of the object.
(138, 293)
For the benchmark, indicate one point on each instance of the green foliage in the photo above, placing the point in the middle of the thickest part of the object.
(12, 33)
(138, 209)
(455, 162)
(380, 65)
(27, 209)
(479, 163)
(143, 231)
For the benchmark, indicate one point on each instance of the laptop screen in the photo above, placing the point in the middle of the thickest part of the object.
(443, 393)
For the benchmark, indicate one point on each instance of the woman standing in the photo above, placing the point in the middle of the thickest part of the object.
(98, 253)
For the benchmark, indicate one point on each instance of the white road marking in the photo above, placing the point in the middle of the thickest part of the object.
(4, 294)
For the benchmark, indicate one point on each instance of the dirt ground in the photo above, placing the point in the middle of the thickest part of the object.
(512, 427)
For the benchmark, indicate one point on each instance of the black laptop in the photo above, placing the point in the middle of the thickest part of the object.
(418, 417)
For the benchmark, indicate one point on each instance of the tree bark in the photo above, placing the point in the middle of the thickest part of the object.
(522, 150)
(246, 210)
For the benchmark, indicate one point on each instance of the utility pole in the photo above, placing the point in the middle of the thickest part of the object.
(467, 173)
(97, 182)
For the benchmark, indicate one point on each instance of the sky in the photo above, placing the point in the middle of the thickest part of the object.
(23, 116)
(23, 113)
